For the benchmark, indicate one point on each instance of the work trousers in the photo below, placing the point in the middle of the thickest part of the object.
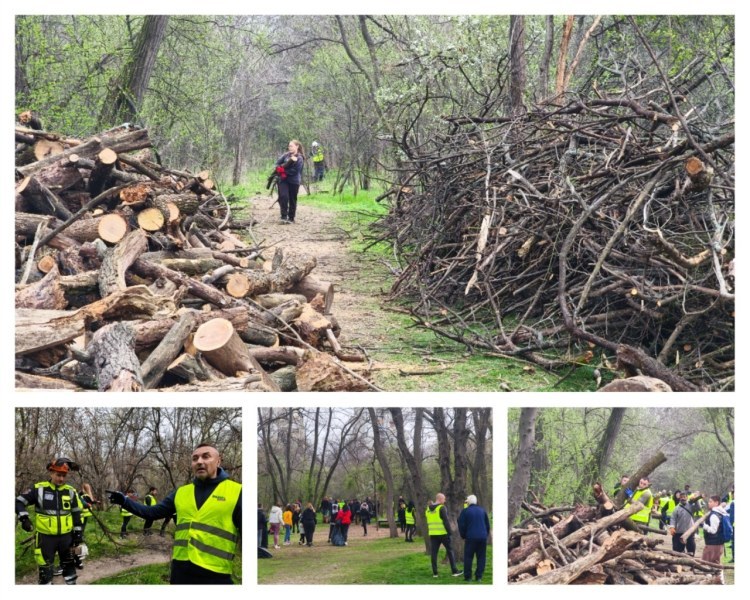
(183, 572)
(46, 548)
(435, 542)
(474, 548)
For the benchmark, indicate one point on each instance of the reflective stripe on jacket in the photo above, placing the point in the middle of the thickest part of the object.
(207, 537)
(54, 508)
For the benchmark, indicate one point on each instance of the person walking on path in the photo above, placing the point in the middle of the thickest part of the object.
(714, 548)
(308, 522)
(411, 522)
(474, 528)
(680, 521)
(209, 520)
(57, 520)
(344, 519)
(364, 515)
(275, 520)
(289, 169)
(287, 518)
(439, 531)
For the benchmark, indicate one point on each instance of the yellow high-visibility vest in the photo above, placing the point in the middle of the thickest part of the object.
(644, 515)
(56, 520)
(207, 537)
(435, 524)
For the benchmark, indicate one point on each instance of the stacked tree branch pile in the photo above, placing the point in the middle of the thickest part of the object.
(597, 545)
(129, 278)
(608, 221)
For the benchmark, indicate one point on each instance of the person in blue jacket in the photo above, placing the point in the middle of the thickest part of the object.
(289, 169)
(474, 528)
(209, 520)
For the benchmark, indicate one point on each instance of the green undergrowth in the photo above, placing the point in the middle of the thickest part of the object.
(373, 561)
(399, 345)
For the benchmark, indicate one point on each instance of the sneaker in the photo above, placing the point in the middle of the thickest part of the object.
(346, 543)
(435, 575)
(276, 546)
(479, 580)
(457, 573)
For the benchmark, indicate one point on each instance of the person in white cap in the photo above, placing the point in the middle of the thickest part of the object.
(474, 528)
(319, 162)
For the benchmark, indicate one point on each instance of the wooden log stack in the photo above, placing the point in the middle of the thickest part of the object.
(597, 545)
(130, 278)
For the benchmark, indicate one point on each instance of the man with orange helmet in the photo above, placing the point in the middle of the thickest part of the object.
(57, 519)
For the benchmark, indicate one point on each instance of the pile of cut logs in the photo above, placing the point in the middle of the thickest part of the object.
(597, 545)
(129, 278)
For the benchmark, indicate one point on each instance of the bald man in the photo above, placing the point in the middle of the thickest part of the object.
(439, 531)
(209, 520)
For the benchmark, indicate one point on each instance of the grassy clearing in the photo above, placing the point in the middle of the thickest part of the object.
(401, 346)
(374, 561)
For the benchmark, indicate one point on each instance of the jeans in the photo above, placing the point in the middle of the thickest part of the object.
(287, 533)
(435, 542)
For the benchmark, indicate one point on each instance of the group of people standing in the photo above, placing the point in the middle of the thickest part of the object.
(207, 511)
(678, 512)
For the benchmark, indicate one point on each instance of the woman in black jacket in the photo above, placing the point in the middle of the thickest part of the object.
(289, 168)
(308, 519)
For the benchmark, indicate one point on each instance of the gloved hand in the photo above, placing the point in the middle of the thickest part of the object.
(77, 537)
(26, 523)
(116, 497)
(629, 493)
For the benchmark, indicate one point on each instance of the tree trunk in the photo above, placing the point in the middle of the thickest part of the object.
(562, 57)
(517, 64)
(126, 96)
(519, 483)
(549, 42)
(387, 475)
(117, 366)
(597, 462)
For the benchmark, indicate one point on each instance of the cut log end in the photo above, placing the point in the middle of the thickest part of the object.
(46, 263)
(238, 285)
(112, 228)
(213, 335)
(150, 219)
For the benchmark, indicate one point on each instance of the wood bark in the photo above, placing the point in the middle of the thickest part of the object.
(47, 293)
(519, 483)
(113, 355)
(154, 367)
(118, 260)
(310, 286)
(38, 329)
(377, 446)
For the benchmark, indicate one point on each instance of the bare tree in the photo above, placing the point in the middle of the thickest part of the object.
(383, 461)
(598, 460)
(519, 483)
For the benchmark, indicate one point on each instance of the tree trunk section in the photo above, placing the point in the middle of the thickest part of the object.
(154, 367)
(118, 260)
(519, 483)
(117, 366)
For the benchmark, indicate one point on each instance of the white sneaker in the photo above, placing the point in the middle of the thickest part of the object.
(277, 547)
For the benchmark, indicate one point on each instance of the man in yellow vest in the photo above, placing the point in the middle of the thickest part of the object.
(643, 495)
(149, 500)
(319, 162)
(127, 515)
(439, 531)
(57, 520)
(209, 520)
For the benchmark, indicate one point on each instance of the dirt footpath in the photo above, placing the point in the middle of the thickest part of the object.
(315, 232)
(94, 570)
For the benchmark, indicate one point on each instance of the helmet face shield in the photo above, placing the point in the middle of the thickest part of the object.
(62, 465)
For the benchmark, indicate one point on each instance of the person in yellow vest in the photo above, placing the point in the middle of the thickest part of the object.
(439, 531)
(127, 515)
(57, 520)
(209, 520)
(411, 521)
(643, 495)
(319, 162)
(149, 500)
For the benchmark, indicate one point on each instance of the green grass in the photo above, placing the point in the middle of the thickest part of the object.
(373, 561)
(144, 575)
(98, 544)
(400, 341)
